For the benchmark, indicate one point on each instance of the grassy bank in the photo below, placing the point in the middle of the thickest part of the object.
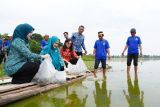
(1, 71)
(88, 58)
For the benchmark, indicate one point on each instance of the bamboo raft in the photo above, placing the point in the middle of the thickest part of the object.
(13, 92)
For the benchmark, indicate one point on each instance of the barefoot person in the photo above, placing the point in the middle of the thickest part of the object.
(101, 49)
(20, 64)
(133, 44)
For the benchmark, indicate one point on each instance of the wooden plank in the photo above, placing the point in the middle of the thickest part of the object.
(30, 91)
(19, 90)
(70, 77)
(10, 87)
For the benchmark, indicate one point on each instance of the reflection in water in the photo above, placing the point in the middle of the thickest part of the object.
(67, 96)
(74, 101)
(71, 100)
(135, 97)
(102, 99)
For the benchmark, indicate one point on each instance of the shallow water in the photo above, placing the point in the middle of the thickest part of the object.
(116, 90)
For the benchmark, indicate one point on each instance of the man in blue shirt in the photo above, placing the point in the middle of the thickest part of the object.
(78, 41)
(44, 41)
(101, 49)
(133, 45)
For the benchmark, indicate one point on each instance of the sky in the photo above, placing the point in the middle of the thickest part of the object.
(114, 17)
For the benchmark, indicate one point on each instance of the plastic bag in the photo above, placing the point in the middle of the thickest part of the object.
(59, 77)
(43, 76)
(80, 67)
(48, 74)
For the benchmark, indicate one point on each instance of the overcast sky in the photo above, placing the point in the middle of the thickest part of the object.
(114, 17)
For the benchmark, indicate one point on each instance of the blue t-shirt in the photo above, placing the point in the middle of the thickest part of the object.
(1, 43)
(43, 43)
(133, 43)
(7, 43)
(101, 47)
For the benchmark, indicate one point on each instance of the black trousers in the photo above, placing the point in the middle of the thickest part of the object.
(72, 61)
(79, 53)
(2, 56)
(133, 57)
(26, 73)
(97, 62)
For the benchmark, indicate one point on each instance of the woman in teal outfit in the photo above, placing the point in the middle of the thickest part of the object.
(53, 50)
(20, 64)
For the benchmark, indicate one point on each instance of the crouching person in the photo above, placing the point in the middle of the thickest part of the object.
(67, 53)
(53, 50)
(20, 64)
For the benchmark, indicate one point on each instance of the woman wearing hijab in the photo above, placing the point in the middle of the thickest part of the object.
(20, 64)
(53, 50)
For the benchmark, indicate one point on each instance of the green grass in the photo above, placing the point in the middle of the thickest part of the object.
(2, 73)
(89, 64)
(88, 58)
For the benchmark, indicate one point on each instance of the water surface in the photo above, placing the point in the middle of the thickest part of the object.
(116, 90)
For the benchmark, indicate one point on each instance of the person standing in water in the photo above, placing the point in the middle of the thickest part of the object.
(133, 45)
(101, 49)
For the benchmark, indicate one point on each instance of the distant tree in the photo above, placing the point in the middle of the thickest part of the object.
(4, 36)
(60, 44)
(35, 46)
(37, 37)
(0, 35)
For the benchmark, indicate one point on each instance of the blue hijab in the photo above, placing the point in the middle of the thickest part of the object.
(22, 31)
(57, 60)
